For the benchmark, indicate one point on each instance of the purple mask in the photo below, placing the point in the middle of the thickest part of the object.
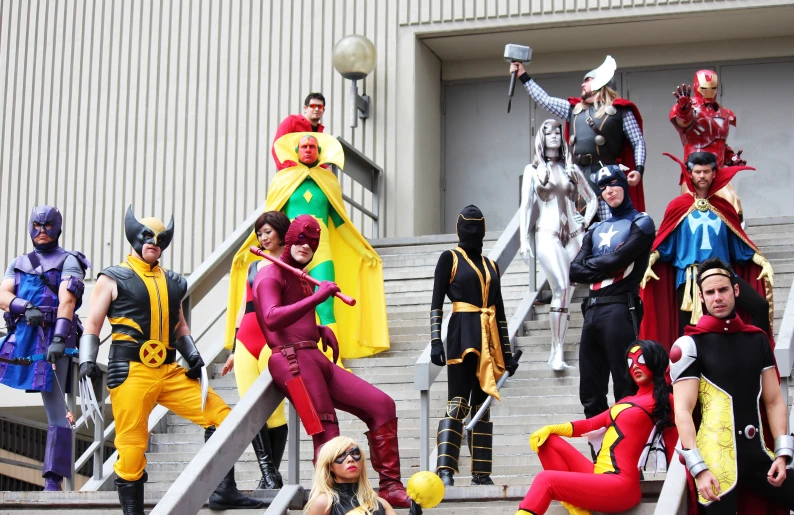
(44, 215)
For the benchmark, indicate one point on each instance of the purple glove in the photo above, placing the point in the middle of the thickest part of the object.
(329, 340)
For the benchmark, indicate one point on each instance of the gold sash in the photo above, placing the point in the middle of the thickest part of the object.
(691, 301)
(491, 364)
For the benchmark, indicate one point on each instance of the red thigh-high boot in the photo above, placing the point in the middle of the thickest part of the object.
(385, 457)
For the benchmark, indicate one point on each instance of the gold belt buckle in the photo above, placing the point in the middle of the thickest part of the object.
(152, 353)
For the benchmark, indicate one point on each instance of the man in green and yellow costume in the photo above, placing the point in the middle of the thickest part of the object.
(344, 256)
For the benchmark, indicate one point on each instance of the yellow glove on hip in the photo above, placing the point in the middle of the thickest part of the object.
(539, 437)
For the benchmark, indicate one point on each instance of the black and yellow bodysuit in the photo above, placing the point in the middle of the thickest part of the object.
(477, 345)
(142, 368)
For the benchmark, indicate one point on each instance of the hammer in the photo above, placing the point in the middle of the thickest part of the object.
(516, 54)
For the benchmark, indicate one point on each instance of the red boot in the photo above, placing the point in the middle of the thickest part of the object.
(385, 457)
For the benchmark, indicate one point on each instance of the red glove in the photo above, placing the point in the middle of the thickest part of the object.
(683, 97)
(329, 340)
(326, 290)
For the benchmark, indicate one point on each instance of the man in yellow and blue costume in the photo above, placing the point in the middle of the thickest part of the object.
(344, 256)
(143, 303)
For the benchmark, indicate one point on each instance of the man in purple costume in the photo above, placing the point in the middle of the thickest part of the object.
(39, 294)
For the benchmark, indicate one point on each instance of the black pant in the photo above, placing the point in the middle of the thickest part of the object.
(753, 465)
(606, 336)
(749, 300)
(462, 381)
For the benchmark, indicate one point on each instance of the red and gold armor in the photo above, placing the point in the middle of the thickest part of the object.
(703, 125)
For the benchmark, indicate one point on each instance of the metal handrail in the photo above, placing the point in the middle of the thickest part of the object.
(189, 492)
(369, 175)
(425, 372)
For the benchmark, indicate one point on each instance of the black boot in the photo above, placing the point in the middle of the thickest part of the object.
(482, 450)
(226, 496)
(131, 495)
(449, 438)
(278, 442)
(271, 479)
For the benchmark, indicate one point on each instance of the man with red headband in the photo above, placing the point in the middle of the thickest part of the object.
(729, 366)
(703, 125)
(285, 306)
(699, 225)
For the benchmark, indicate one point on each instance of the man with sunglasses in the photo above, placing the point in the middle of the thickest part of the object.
(309, 121)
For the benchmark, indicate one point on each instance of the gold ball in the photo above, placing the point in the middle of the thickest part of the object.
(426, 488)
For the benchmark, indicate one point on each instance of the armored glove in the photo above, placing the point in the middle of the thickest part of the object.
(187, 348)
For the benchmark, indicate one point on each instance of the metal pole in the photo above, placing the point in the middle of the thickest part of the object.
(70, 403)
(424, 429)
(376, 203)
(353, 104)
(533, 270)
(99, 431)
(294, 448)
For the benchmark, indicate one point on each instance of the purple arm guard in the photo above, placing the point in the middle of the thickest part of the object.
(18, 306)
(62, 328)
(76, 286)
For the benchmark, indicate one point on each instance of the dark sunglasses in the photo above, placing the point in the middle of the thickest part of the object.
(354, 453)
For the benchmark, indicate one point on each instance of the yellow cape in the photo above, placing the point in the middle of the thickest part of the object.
(362, 330)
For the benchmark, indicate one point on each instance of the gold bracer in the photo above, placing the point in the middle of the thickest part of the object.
(491, 365)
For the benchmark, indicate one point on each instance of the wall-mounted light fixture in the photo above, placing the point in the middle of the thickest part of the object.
(354, 58)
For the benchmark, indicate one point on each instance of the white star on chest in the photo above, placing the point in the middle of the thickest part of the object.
(606, 237)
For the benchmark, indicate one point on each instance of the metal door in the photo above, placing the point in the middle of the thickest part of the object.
(760, 96)
(485, 150)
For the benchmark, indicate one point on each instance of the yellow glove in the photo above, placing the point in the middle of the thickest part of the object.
(539, 437)
(355, 241)
(766, 269)
(652, 259)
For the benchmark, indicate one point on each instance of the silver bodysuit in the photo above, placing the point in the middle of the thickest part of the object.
(548, 212)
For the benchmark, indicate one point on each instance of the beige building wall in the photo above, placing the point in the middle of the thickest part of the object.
(171, 105)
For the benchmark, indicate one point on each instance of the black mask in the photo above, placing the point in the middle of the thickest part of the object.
(147, 230)
(471, 229)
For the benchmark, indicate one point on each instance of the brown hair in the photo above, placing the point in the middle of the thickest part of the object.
(275, 219)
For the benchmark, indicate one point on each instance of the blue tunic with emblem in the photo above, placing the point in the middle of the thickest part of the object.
(702, 235)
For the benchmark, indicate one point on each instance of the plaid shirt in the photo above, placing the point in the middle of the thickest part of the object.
(562, 108)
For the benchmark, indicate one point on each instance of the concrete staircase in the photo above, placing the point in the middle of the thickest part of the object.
(534, 397)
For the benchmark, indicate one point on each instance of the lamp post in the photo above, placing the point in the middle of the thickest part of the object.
(354, 57)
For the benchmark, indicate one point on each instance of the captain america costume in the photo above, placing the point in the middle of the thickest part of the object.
(613, 257)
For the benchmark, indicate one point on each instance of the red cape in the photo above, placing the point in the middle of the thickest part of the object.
(749, 501)
(659, 297)
(626, 158)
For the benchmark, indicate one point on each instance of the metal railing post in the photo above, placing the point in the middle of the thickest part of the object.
(294, 447)
(71, 404)
(376, 181)
(424, 429)
(99, 432)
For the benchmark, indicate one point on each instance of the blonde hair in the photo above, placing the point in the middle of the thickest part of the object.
(323, 483)
(602, 98)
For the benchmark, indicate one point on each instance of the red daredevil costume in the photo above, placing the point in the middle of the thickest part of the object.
(285, 307)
